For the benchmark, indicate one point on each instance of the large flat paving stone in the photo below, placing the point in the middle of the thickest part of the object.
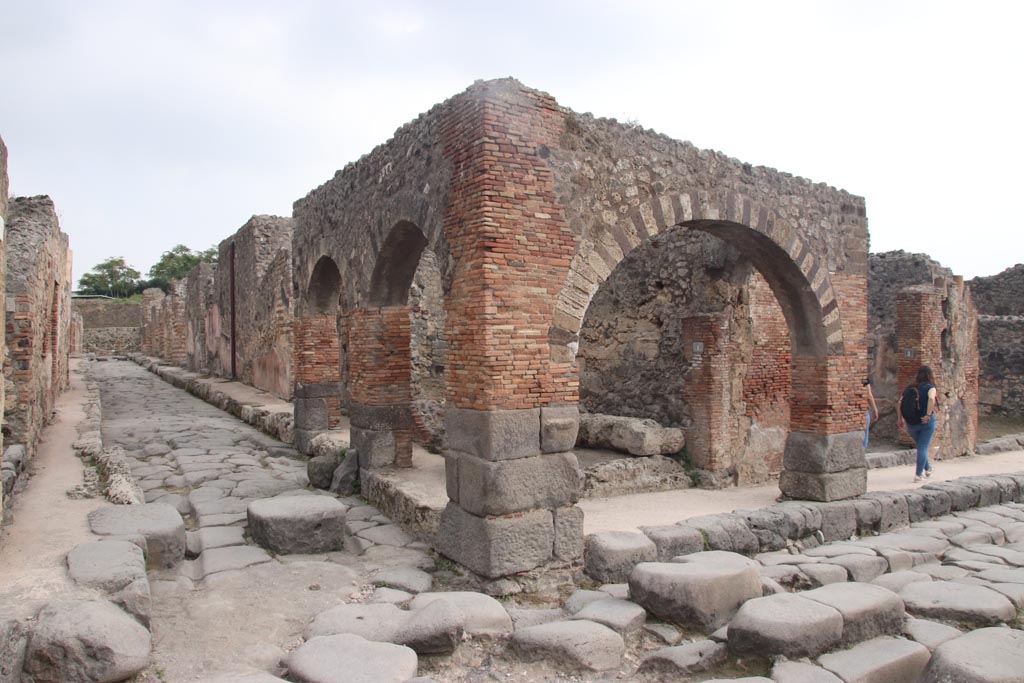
(802, 672)
(482, 614)
(347, 658)
(106, 565)
(85, 640)
(868, 611)
(241, 677)
(435, 627)
(701, 590)
(958, 602)
(701, 655)
(622, 616)
(929, 633)
(160, 524)
(571, 644)
(882, 660)
(862, 568)
(216, 560)
(988, 655)
(298, 524)
(375, 621)
(784, 624)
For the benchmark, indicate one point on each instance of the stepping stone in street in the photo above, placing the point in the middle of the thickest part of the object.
(86, 640)
(882, 660)
(988, 655)
(434, 629)
(802, 672)
(701, 590)
(220, 537)
(611, 555)
(225, 559)
(701, 655)
(390, 595)
(161, 525)
(377, 622)
(581, 597)
(347, 658)
(823, 573)
(931, 634)
(784, 624)
(622, 616)
(572, 644)
(1003, 575)
(108, 566)
(862, 568)
(957, 602)
(868, 611)
(298, 524)
(482, 614)
(897, 580)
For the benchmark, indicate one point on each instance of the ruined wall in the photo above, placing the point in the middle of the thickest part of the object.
(110, 326)
(920, 313)
(258, 258)
(199, 299)
(1000, 302)
(152, 323)
(429, 351)
(38, 296)
(8, 474)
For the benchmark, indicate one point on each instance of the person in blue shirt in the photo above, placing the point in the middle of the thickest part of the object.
(923, 431)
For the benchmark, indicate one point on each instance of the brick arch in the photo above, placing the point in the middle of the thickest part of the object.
(799, 279)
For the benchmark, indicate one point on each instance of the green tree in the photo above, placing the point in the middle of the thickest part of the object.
(112, 277)
(175, 264)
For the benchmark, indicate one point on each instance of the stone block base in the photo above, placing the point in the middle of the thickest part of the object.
(509, 486)
(497, 546)
(824, 453)
(824, 486)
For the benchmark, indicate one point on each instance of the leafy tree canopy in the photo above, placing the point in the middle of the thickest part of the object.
(112, 277)
(176, 263)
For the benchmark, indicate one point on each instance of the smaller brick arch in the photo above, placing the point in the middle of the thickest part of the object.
(324, 290)
(396, 265)
(799, 279)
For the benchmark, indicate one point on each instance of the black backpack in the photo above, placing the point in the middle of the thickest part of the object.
(910, 405)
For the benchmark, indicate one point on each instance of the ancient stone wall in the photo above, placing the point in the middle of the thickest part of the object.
(38, 295)
(920, 313)
(1000, 302)
(199, 301)
(77, 333)
(9, 473)
(537, 206)
(110, 326)
(253, 304)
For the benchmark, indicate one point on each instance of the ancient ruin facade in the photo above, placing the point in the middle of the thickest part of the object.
(110, 327)
(923, 314)
(200, 348)
(1000, 301)
(9, 473)
(526, 209)
(163, 323)
(38, 295)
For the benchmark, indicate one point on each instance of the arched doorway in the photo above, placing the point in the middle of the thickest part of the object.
(318, 355)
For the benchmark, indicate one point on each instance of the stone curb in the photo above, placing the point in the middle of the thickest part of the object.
(277, 423)
(811, 523)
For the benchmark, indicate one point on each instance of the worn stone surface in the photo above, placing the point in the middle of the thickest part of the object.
(611, 555)
(497, 547)
(482, 615)
(108, 566)
(867, 610)
(13, 641)
(802, 672)
(931, 634)
(702, 590)
(882, 660)
(673, 540)
(988, 655)
(784, 624)
(622, 616)
(347, 658)
(160, 524)
(575, 644)
(298, 524)
(86, 640)
(958, 602)
(631, 435)
(700, 655)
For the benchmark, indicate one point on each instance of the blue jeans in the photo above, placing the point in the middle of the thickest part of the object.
(867, 429)
(922, 435)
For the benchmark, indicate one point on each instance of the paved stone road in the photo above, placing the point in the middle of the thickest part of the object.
(892, 607)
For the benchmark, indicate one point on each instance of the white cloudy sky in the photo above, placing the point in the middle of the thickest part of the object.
(156, 123)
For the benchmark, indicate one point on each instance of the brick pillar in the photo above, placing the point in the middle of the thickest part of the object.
(919, 326)
(380, 367)
(511, 414)
(318, 389)
(706, 390)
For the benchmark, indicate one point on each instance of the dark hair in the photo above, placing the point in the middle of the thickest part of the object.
(867, 382)
(925, 375)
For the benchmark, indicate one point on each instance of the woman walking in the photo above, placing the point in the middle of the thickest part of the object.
(918, 409)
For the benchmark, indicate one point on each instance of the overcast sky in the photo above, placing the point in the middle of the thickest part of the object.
(157, 123)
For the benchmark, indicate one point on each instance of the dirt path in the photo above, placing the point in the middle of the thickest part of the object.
(47, 524)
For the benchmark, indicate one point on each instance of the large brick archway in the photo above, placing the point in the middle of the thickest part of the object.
(527, 206)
